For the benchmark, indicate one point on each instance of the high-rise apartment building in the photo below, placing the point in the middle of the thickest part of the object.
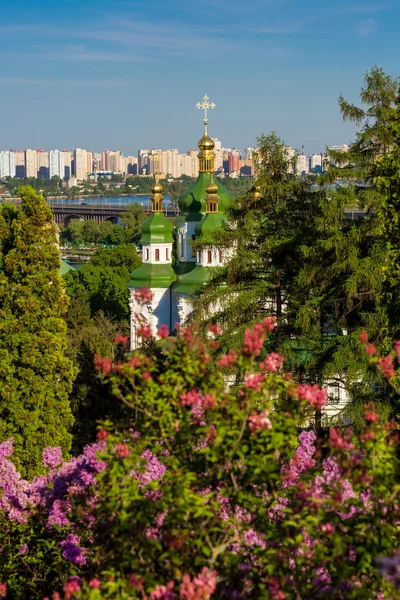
(7, 163)
(234, 161)
(248, 153)
(143, 161)
(131, 165)
(315, 163)
(42, 164)
(56, 164)
(89, 162)
(19, 161)
(31, 165)
(67, 158)
(302, 165)
(80, 164)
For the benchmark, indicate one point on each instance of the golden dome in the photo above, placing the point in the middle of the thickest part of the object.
(157, 188)
(206, 143)
(212, 188)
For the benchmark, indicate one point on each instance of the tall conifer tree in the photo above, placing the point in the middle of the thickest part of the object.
(35, 375)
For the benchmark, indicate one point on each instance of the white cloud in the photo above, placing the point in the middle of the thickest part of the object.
(366, 27)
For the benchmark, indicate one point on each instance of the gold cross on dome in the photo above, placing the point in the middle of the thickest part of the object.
(156, 157)
(206, 105)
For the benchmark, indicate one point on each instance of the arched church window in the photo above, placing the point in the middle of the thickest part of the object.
(209, 256)
(167, 254)
(147, 254)
(220, 256)
(157, 254)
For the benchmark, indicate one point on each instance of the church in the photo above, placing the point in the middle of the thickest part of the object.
(202, 209)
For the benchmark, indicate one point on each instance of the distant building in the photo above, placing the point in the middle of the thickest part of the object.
(234, 161)
(19, 161)
(7, 163)
(42, 164)
(31, 165)
(315, 163)
(56, 164)
(80, 166)
(67, 157)
(302, 165)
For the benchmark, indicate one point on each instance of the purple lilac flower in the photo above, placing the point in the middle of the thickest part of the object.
(6, 448)
(72, 550)
(302, 459)
(23, 549)
(154, 469)
(52, 457)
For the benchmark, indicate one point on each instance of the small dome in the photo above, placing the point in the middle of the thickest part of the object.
(157, 188)
(212, 188)
(206, 143)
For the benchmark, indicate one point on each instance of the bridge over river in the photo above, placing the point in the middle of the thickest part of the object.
(99, 209)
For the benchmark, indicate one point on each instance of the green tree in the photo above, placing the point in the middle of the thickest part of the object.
(374, 137)
(91, 397)
(298, 257)
(35, 376)
(133, 219)
(386, 176)
(103, 281)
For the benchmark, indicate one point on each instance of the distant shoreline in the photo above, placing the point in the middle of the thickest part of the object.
(78, 197)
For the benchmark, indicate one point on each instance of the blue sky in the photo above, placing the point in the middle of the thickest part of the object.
(127, 74)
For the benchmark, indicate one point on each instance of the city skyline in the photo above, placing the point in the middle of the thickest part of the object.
(89, 74)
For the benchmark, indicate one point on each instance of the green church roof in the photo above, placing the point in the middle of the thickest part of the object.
(192, 201)
(152, 276)
(194, 280)
(156, 229)
(210, 222)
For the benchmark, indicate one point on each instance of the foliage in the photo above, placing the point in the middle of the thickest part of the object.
(79, 232)
(103, 280)
(91, 397)
(386, 178)
(374, 137)
(35, 375)
(296, 253)
(133, 219)
(209, 492)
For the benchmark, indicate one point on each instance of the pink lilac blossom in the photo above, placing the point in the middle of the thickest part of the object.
(315, 396)
(259, 421)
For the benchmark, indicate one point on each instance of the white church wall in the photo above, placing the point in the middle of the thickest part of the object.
(155, 313)
(160, 254)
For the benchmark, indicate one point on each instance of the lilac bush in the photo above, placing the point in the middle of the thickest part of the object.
(208, 491)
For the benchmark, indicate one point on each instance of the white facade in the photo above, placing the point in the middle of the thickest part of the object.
(156, 313)
(302, 165)
(316, 163)
(7, 163)
(160, 254)
(185, 234)
(56, 164)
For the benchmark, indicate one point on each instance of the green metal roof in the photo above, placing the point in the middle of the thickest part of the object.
(193, 281)
(210, 222)
(182, 268)
(156, 229)
(152, 276)
(192, 202)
